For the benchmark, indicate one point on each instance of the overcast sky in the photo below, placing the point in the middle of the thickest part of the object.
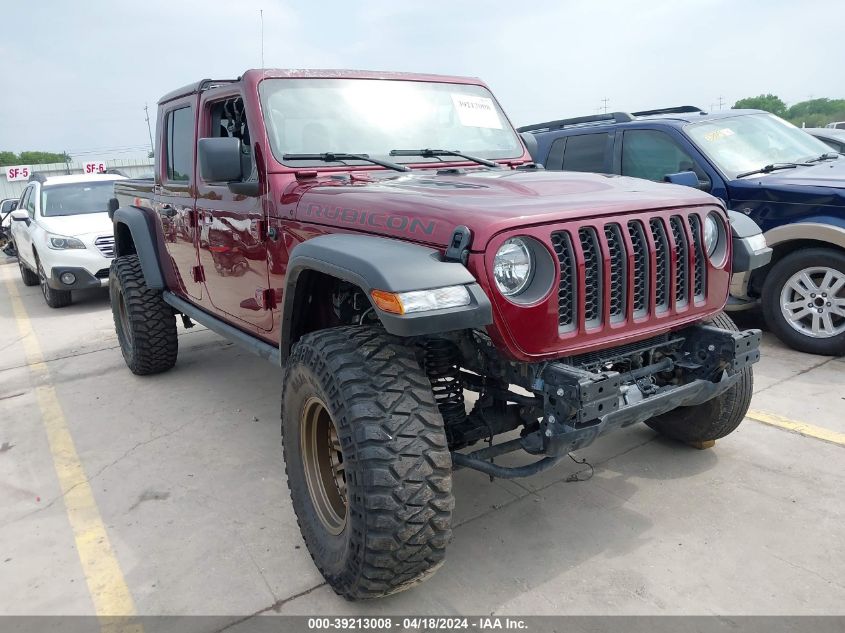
(75, 75)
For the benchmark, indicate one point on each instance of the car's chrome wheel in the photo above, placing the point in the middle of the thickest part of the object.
(812, 302)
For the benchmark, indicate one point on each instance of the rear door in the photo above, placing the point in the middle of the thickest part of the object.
(584, 152)
(174, 196)
(232, 243)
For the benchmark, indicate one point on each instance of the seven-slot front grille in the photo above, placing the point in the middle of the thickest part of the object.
(608, 251)
(106, 245)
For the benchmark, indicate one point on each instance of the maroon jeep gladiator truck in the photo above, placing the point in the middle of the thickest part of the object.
(387, 242)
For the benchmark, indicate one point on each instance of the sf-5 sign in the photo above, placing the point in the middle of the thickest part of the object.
(18, 172)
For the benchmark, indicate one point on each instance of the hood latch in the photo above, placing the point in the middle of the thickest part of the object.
(458, 249)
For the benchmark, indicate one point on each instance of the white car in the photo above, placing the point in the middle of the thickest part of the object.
(63, 234)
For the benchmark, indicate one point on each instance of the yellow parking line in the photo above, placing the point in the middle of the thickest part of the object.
(802, 428)
(106, 583)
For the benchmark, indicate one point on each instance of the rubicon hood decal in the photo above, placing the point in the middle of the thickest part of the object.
(371, 219)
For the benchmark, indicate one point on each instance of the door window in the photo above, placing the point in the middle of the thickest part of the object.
(586, 152)
(29, 203)
(180, 145)
(652, 154)
(228, 120)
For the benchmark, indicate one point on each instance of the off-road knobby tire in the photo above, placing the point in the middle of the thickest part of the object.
(777, 277)
(398, 466)
(151, 346)
(715, 418)
(52, 297)
(28, 277)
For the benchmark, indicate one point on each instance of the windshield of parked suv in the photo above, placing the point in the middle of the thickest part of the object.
(374, 116)
(76, 198)
(751, 141)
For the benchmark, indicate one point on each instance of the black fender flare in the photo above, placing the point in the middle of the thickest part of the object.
(142, 236)
(377, 263)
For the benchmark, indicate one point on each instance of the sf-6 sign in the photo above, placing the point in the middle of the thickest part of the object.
(18, 172)
(94, 167)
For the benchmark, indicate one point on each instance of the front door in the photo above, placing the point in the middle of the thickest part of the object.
(174, 196)
(232, 248)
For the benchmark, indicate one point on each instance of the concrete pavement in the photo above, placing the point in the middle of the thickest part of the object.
(186, 472)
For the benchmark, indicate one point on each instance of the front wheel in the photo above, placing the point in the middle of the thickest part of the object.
(804, 300)
(54, 298)
(716, 418)
(368, 466)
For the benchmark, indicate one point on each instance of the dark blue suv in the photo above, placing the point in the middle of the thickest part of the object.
(788, 182)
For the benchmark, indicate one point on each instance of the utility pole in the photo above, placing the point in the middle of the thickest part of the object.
(149, 129)
(721, 102)
(604, 102)
(261, 14)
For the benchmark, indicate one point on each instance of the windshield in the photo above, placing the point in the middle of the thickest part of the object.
(752, 141)
(76, 198)
(375, 116)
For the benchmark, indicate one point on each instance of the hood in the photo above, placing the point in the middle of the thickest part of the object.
(427, 206)
(78, 225)
(822, 184)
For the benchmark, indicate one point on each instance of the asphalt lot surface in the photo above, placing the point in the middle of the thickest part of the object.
(186, 480)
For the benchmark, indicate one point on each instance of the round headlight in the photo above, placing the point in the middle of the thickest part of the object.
(513, 267)
(711, 234)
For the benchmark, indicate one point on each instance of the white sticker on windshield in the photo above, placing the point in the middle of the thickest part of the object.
(476, 111)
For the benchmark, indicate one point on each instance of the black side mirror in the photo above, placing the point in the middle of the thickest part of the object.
(685, 178)
(114, 205)
(220, 159)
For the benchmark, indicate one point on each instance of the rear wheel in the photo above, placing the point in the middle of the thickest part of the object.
(715, 418)
(29, 278)
(145, 324)
(54, 298)
(804, 300)
(367, 462)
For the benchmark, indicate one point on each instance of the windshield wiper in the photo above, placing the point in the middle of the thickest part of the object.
(432, 153)
(825, 156)
(770, 168)
(339, 157)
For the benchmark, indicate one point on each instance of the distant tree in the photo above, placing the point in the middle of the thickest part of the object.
(8, 158)
(768, 102)
(41, 158)
(817, 112)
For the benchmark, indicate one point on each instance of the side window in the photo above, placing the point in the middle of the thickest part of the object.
(652, 154)
(586, 152)
(180, 144)
(555, 158)
(30, 202)
(24, 197)
(228, 120)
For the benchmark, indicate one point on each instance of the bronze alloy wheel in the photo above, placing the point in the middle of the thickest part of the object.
(322, 461)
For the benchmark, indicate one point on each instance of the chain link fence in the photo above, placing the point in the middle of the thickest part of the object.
(133, 168)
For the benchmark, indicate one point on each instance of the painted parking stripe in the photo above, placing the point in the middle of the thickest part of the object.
(106, 584)
(802, 428)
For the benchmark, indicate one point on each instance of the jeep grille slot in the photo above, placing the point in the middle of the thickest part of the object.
(641, 262)
(661, 273)
(679, 236)
(566, 298)
(700, 271)
(592, 276)
(618, 271)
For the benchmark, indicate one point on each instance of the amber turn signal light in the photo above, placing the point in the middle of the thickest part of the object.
(387, 301)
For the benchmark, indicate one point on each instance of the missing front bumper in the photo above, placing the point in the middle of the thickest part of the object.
(579, 404)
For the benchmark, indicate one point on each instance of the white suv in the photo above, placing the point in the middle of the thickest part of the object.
(63, 234)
